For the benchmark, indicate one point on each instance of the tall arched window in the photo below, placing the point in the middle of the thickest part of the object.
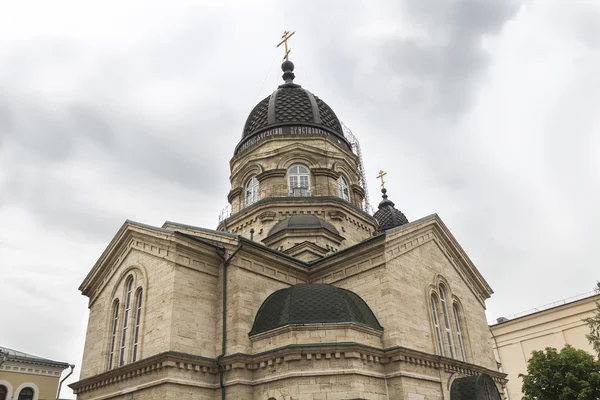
(459, 333)
(3, 392)
(252, 191)
(343, 191)
(136, 329)
(26, 394)
(113, 333)
(436, 324)
(299, 181)
(447, 321)
(126, 313)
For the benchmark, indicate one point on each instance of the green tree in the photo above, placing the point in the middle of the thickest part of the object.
(570, 374)
(594, 324)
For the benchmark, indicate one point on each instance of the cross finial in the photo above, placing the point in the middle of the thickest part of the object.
(285, 37)
(380, 176)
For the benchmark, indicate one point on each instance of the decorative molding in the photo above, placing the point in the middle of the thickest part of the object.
(325, 172)
(271, 173)
(359, 190)
(320, 353)
(267, 216)
(233, 193)
(316, 327)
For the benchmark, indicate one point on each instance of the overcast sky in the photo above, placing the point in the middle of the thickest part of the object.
(486, 112)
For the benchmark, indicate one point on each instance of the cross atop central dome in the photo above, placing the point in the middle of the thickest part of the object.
(290, 106)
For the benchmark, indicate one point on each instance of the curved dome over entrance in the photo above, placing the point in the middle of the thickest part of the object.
(312, 303)
(475, 387)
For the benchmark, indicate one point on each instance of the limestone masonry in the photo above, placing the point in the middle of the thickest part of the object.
(300, 293)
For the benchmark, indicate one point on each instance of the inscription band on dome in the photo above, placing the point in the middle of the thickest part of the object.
(282, 131)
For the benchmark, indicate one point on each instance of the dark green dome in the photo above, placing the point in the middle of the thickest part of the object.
(312, 303)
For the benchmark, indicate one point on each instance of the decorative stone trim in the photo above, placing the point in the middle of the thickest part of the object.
(316, 327)
(288, 354)
(234, 193)
(325, 172)
(358, 190)
(336, 215)
(267, 216)
(271, 173)
(146, 366)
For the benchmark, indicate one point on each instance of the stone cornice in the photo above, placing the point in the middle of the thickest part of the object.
(272, 173)
(341, 154)
(233, 193)
(160, 361)
(316, 327)
(325, 172)
(320, 353)
(358, 189)
(251, 212)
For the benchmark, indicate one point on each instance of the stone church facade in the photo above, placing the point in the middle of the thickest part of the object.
(299, 294)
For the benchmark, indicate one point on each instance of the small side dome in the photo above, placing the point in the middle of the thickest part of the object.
(311, 303)
(388, 216)
(303, 221)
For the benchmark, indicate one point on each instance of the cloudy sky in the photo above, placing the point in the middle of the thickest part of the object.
(484, 111)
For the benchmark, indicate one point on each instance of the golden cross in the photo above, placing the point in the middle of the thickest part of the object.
(285, 37)
(380, 176)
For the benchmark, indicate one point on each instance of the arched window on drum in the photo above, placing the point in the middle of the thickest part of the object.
(298, 181)
(343, 190)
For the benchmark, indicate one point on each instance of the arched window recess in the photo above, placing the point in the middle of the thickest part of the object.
(252, 190)
(343, 189)
(298, 181)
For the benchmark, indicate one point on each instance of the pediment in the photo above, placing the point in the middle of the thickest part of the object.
(171, 245)
(432, 229)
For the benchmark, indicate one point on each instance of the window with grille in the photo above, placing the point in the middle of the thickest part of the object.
(299, 181)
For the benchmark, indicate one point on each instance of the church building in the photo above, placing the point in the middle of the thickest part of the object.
(300, 293)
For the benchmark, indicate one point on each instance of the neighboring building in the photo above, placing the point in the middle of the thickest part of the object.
(300, 293)
(27, 377)
(553, 326)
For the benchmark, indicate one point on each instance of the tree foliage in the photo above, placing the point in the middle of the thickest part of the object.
(570, 374)
(594, 323)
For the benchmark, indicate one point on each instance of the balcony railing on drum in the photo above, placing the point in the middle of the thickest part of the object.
(299, 191)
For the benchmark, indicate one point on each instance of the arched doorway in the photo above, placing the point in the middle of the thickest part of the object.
(475, 387)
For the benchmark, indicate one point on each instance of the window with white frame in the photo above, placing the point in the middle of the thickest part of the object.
(298, 181)
(252, 191)
(3, 392)
(343, 190)
(444, 302)
(136, 329)
(459, 333)
(126, 314)
(113, 333)
(26, 394)
(436, 324)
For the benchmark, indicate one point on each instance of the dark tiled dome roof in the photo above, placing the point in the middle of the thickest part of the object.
(291, 104)
(387, 216)
(308, 303)
(302, 221)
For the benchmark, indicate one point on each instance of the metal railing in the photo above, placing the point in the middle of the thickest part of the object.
(545, 307)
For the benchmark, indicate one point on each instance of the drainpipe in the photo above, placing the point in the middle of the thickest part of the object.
(64, 379)
(224, 334)
(499, 361)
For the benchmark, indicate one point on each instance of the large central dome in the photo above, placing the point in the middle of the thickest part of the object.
(294, 110)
